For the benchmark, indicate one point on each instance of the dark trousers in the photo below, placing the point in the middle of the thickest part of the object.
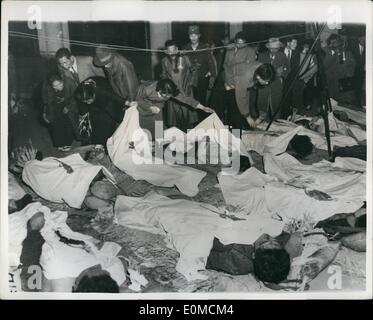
(200, 91)
(235, 119)
(288, 96)
(218, 99)
(62, 131)
(359, 88)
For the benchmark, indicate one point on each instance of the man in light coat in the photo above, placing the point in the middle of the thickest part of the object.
(237, 59)
(256, 76)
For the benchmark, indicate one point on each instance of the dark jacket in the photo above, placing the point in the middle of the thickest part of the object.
(202, 61)
(123, 78)
(237, 259)
(105, 112)
(147, 96)
(294, 65)
(270, 97)
(336, 71)
(106, 101)
(55, 102)
(280, 60)
(181, 77)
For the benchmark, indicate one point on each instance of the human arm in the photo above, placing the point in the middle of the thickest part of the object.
(181, 97)
(69, 102)
(228, 71)
(47, 97)
(211, 64)
(164, 70)
(129, 79)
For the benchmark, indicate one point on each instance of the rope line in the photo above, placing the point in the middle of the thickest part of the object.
(129, 48)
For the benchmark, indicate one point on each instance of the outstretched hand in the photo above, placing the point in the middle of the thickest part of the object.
(131, 104)
(45, 118)
(205, 109)
(251, 122)
(154, 109)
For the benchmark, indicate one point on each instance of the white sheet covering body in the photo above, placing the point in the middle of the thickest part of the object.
(59, 260)
(323, 176)
(219, 135)
(142, 166)
(354, 115)
(190, 227)
(50, 180)
(259, 194)
(261, 141)
(341, 127)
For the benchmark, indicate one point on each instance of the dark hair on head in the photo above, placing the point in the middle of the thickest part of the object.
(54, 77)
(309, 42)
(97, 283)
(333, 37)
(266, 72)
(85, 92)
(170, 43)
(167, 86)
(290, 38)
(240, 35)
(271, 265)
(63, 52)
(302, 145)
(304, 123)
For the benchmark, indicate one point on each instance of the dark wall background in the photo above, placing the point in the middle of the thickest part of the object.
(210, 31)
(132, 33)
(261, 31)
(31, 68)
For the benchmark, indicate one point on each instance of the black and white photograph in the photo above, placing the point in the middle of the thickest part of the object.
(186, 149)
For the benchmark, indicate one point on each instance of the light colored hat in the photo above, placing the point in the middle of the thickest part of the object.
(274, 43)
(194, 29)
(103, 56)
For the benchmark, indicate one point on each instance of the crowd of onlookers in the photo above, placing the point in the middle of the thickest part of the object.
(239, 81)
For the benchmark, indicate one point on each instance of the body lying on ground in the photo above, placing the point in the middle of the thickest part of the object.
(38, 236)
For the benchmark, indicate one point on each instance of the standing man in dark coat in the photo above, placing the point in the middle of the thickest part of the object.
(270, 97)
(358, 50)
(217, 97)
(60, 111)
(339, 66)
(119, 71)
(203, 65)
(293, 55)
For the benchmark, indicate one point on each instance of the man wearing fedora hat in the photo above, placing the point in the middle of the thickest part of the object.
(270, 97)
(203, 65)
(120, 72)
